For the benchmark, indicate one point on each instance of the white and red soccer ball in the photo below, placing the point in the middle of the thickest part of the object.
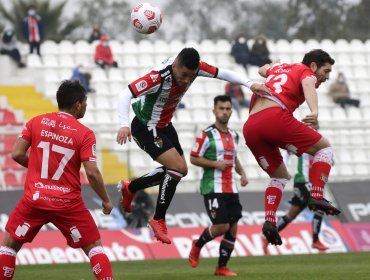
(145, 18)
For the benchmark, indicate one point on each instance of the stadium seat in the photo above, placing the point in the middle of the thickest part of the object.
(101, 88)
(115, 75)
(223, 46)
(207, 46)
(282, 46)
(357, 46)
(66, 61)
(146, 47)
(361, 170)
(34, 61)
(346, 170)
(161, 47)
(192, 44)
(50, 61)
(208, 58)
(354, 114)
(51, 76)
(328, 46)
(102, 102)
(130, 47)
(312, 44)
(83, 47)
(298, 46)
(66, 47)
(99, 75)
(223, 60)
(176, 46)
(49, 47)
(146, 60)
(131, 74)
(116, 88)
(343, 59)
(342, 46)
(116, 47)
(129, 60)
(8, 117)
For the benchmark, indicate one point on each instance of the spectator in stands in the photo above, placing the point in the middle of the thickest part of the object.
(8, 46)
(95, 34)
(83, 77)
(340, 93)
(237, 97)
(260, 53)
(240, 50)
(103, 54)
(142, 210)
(32, 29)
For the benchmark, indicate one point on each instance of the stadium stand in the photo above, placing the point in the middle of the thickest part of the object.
(346, 129)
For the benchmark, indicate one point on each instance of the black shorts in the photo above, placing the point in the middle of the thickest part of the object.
(166, 138)
(301, 195)
(223, 208)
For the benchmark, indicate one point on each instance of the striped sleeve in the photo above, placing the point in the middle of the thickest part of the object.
(200, 146)
(206, 70)
(148, 84)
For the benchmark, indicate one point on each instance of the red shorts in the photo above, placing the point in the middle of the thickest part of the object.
(273, 128)
(75, 223)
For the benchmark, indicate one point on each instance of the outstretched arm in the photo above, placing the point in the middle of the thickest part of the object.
(235, 78)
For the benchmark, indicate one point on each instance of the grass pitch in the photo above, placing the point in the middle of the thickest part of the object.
(345, 266)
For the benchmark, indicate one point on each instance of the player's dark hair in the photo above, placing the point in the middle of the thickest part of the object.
(318, 56)
(221, 98)
(189, 57)
(70, 92)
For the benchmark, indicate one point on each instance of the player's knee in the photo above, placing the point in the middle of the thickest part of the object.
(181, 168)
(223, 228)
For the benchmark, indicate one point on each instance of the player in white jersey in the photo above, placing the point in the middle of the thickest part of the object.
(215, 150)
(159, 92)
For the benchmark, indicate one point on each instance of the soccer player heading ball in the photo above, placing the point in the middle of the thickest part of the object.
(271, 126)
(158, 93)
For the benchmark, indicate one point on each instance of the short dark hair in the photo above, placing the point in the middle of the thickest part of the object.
(70, 92)
(189, 57)
(318, 56)
(221, 98)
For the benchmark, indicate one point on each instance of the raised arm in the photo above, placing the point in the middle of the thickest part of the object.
(235, 78)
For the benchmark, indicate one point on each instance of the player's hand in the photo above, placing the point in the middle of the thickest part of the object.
(222, 164)
(107, 207)
(243, 180)
(259, 88)
(311, 120)
(122, 135)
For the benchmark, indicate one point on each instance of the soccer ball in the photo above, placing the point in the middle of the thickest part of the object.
(145, 18)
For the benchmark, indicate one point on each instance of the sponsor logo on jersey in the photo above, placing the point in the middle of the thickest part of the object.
(154, 77)
(40, 185)
(63, 126)
(48, 122)
(141, 85)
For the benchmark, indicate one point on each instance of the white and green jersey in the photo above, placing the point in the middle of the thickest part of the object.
(303, 169)
(158, 94)
(213, 144)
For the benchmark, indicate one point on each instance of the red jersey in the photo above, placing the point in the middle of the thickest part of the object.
(285, 82)
(59, 144)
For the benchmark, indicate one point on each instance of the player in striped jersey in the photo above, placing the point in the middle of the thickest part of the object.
(158, 93)
(215, 150)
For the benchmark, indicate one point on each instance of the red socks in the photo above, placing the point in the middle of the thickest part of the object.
(320, 171)
(100, 264)
(273, 195)
(7, 263)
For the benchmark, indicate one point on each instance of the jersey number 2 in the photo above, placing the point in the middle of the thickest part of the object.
(68, 154)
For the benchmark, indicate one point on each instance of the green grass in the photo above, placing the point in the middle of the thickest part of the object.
(298, 267)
